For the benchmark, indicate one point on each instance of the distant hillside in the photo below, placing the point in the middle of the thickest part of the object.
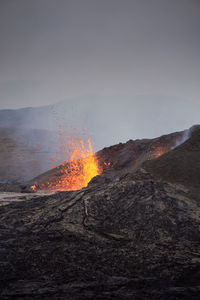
(86, 116)
(107, 120)
(24, 154)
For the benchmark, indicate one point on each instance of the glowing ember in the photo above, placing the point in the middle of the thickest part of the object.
(33, 187)
(157, 152)
(107, 164)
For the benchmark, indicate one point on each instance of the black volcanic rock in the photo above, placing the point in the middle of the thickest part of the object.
(181, 165)
(132, 235)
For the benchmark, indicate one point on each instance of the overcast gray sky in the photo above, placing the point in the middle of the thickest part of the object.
(52, 50)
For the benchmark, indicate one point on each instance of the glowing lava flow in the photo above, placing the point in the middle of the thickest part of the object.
(157, 151)
(83, 166)
(77, 173)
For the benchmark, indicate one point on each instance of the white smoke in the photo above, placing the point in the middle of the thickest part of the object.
(186, 135)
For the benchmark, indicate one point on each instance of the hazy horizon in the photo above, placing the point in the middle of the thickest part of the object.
(55, 50)
(110, 120)
(122, 69)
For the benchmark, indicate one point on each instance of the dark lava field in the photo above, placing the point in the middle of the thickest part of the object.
(132, 233)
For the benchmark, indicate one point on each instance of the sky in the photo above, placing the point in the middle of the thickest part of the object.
(51, 50)
(111, 51)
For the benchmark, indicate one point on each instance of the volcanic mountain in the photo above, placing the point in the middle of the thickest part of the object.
(132, 233)
(118, 159)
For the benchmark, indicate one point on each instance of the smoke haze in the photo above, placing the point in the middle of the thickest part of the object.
(60, 49)
(109, 120)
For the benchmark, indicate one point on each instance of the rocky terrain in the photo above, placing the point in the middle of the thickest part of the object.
(132, 233)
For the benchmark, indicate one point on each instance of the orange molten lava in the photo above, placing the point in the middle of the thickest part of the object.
(75, 162)
(83, 166)
(77, 173)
